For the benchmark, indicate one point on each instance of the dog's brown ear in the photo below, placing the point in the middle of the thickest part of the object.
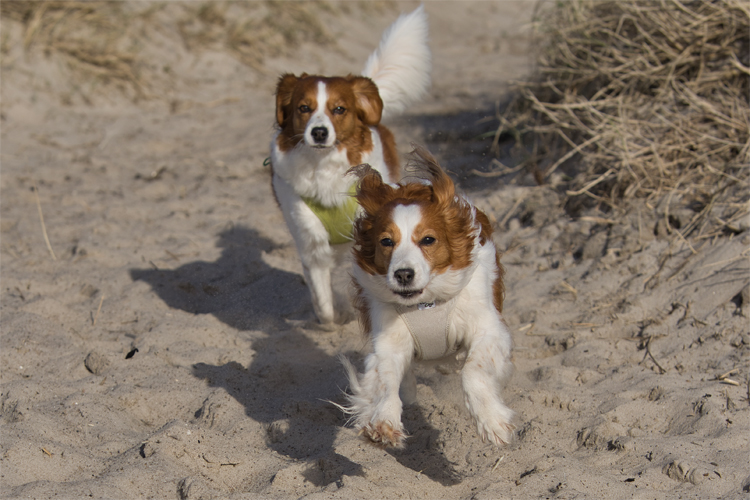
(424, 166)
(284, 91)
(372, 192)
(369, 103)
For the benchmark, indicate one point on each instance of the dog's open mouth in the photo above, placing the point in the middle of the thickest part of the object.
(409, 294)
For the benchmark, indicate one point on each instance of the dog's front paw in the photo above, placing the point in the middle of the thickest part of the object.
(499, 432)
(494, 419)
(385, 434)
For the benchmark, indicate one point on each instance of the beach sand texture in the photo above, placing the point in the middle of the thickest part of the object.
(162, 344)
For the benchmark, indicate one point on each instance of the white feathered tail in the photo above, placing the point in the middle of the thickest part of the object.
(401, 64)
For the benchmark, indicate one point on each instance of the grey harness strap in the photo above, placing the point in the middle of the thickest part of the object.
(428, 325)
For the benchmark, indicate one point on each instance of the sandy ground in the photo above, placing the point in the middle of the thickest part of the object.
(168, 241)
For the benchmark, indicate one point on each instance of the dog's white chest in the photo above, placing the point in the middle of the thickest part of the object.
(320, 175)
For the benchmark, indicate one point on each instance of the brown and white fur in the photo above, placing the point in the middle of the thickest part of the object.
(328, 124)
(419, 242)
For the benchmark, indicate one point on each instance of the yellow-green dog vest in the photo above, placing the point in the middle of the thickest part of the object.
(337, 220)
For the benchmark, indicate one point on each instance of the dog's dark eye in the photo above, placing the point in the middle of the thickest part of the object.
(386, 242)
(339, 110)
(427, 241)
(304, 109)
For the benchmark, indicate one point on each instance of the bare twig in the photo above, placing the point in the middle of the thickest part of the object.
(569, 154)
(41, 219)
(591, 184)
(497, 463)
(724, 377)
(651, 355)
(568, 287)
(512, 210)
(101, 301)
(503, 170)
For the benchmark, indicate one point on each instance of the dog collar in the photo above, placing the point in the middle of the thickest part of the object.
(428, 324)
(338, 220)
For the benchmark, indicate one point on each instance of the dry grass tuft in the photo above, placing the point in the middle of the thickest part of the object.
(650, 96)
(90, 37)
(102, 43)
(251, 31)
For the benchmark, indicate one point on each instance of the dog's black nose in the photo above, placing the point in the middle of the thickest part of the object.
(319, 134)
(404, 276)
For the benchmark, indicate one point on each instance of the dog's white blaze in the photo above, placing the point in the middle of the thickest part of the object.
(407, 254)
(320, 118)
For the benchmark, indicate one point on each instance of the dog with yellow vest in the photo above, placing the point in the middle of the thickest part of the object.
(326, 125)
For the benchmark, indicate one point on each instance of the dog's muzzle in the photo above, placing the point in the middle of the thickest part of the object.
(405, 277)
(319, 136)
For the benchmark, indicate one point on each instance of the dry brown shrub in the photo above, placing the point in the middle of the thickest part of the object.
(646, 98)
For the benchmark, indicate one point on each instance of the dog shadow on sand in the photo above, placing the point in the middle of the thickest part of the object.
(247, 294)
